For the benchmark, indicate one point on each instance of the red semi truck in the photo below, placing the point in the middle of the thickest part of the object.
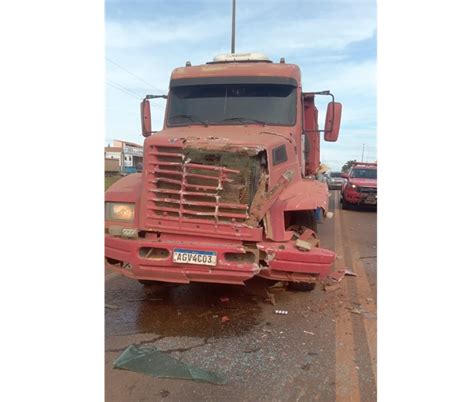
(227, 190)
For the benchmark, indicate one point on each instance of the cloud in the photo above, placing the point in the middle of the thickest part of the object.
(163, 31)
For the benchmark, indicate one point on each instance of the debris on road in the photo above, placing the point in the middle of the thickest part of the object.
(112, 306)
(348, 272)
(150, 361)
(337, 276)
(282, 312)
(308, 332)
(224, 319)
(270, 298)
(329, 287)
(354, 310)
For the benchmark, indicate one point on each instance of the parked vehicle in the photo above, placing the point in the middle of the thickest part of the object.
(361, 185)
(335, 181)
(226, 188)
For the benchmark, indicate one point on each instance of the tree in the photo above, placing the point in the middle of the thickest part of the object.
(348, 165)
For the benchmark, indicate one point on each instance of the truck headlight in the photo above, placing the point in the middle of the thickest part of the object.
(353, 186)
(119, 211)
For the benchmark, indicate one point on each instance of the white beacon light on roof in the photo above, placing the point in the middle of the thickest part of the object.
(251, 56)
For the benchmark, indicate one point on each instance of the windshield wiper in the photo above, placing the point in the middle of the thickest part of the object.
(190, 117)
(243, 119)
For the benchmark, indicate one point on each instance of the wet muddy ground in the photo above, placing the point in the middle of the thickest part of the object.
(323, 349)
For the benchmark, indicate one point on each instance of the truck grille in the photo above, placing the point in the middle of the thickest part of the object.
(368, 190)
(182, 188)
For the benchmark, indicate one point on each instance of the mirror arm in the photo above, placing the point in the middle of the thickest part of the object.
(327, 92)
(156, 96)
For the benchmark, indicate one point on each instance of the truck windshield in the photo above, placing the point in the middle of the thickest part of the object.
(232, 104)
(364, 173)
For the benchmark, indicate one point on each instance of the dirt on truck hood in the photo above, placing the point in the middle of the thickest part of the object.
(221, 137)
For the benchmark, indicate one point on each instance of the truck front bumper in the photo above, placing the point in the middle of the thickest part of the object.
(153, 260)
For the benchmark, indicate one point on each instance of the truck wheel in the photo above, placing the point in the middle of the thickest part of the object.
(301, 286)
(148, 283)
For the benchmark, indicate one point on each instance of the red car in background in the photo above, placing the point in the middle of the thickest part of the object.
(360, 187)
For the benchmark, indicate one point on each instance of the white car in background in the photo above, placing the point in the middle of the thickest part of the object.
(335, 181)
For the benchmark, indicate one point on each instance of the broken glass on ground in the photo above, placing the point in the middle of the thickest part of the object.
(150, 361)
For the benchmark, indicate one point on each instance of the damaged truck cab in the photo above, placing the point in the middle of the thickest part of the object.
(227, 190)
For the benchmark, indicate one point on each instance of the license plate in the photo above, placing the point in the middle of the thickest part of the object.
(183, 256)
(371, 200)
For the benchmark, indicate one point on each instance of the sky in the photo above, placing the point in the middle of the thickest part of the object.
(334, 42)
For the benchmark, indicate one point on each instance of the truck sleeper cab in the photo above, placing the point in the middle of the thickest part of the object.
(224, 193)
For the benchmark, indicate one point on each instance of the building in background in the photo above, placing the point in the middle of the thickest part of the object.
(123, 157)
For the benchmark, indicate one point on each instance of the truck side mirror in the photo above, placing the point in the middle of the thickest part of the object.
(145, 117)
(333, 121)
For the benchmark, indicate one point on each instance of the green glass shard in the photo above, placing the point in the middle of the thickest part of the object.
(150, 361)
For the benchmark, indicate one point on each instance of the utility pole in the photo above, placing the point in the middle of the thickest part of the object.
(363, 148)
(233, 28)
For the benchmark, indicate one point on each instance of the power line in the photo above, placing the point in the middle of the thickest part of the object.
(133, 74)
(130, 92)
(123, 89)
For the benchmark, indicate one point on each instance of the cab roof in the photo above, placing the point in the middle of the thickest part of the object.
(238, 69)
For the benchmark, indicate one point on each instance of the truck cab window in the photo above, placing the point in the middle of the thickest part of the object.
(227, 104)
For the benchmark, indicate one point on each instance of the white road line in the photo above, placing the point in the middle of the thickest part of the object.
(347, 378)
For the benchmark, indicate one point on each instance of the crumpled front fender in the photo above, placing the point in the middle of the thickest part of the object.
(301, 195)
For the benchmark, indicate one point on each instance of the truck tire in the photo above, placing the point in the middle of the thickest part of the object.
(301, 286)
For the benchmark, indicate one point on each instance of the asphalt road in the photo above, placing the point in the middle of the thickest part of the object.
(324, 349)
